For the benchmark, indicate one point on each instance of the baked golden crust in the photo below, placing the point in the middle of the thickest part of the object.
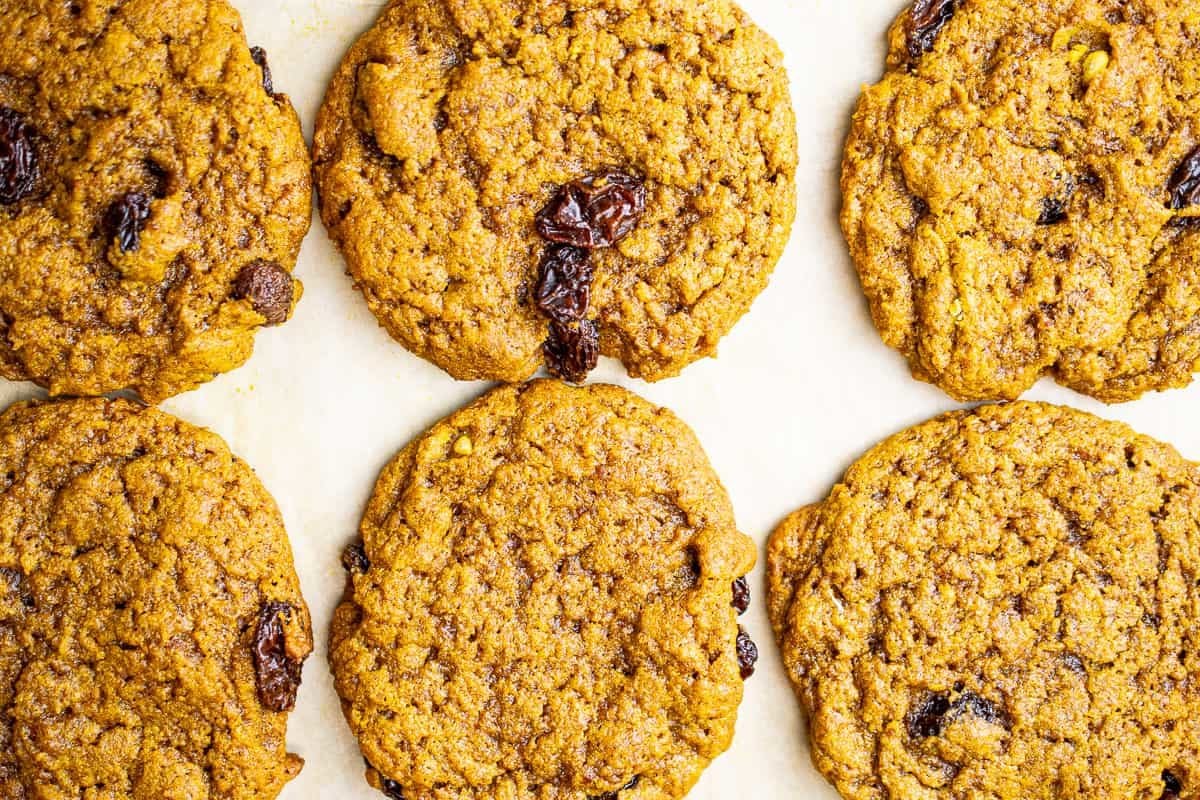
(451, 123)
(136, 556)
(542, 608)
(999, 603)
(162, 100)
(1008, 202)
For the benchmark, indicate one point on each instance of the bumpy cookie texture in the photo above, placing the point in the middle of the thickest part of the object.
(543, 605)
(1000, 604)
(452, 124)
(143, 166)
(1017, 199)
(138, 560)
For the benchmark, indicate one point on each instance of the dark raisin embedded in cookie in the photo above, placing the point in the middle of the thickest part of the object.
(926, 21)
(933, 712)
(126, 219)
(741, 595)
(390, 788)
(572, 351)
(564, 290)
(747, 653)
(1054, 211)
(1184, 186)
(18, 156)
(1172, 786)
(354, 559)
(598, 211)
(260, 57)
(617, 794)
(268, 287)
(277, 673)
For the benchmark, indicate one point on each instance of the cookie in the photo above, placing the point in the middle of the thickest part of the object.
(1021, 195)
(151, 623)
(542, 605)
(153, 194)
(1000, 603)
(519, 182)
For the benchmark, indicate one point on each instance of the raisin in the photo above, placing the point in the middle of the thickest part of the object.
(260, 57)
(572, 351)
(126, 219)
(598, 211)
(926, 21)
(18, 157)
(614, 795)
(935, 711)
(390, 788)
(565, 288)
(277, 674)
(741, 595)
(354, 559)
(1054, 211)
(269, 288)
(1172, 786)
(1184, 185)
(747, 653)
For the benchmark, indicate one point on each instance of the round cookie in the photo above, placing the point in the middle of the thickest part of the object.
(151, 623)
(1021, 195)
(153, 194)
(453, 124)
(543, 605)
(1000, 603)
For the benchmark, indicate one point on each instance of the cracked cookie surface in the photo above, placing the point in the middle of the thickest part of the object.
(1002, 603)
(542, 605)
(1011, 195)
(452, 123)
(137, 556)
(157, 168)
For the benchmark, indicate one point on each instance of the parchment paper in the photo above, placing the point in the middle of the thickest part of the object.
(803, 385)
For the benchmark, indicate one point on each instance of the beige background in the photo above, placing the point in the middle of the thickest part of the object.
(802, 387)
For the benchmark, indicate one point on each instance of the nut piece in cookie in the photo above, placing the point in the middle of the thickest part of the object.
(565, 561)
(963, 616)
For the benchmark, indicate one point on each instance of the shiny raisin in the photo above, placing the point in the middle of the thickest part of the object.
(598, 211)
(565, 286)
(354, 559)
(926, 21)
(1184, 185)
(269, 289)
(572, 351)
(18, 157)
(741, 595)
(1054, 211)
(747, 653)
(277, 674)
(935, 711)
(1172, 786)
(126, 219)
(614, 795)
(390, 788)
(260, 57)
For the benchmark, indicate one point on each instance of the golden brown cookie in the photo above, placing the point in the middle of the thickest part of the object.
(151, 623)
(1022, 195)
(544, 605)
(656, 139)
(153, 194)
(1001, 603)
